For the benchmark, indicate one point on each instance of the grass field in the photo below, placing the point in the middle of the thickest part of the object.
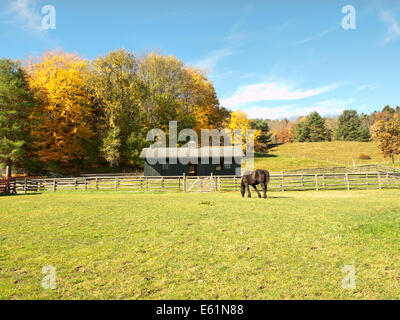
(293, 156)
(200, 246)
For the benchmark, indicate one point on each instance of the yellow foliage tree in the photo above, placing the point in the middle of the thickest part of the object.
(388, 135)
(200, 98)
(239, 121)
(59, 122)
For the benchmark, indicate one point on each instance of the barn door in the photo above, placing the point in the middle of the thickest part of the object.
(193, 170)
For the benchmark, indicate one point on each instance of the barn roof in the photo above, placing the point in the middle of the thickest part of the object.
(182, 153)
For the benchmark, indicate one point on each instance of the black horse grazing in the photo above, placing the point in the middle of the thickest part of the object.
(260, 177)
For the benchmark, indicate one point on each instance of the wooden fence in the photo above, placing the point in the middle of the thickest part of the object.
(7, 186)
(363, 168)
(279, 182)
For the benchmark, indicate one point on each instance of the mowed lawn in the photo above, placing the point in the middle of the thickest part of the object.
(108, 245)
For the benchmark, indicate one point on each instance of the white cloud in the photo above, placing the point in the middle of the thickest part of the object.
(368, 87)
(210, 61)
(393, 31)
(25, 14)
(328, 107)
(316, 36)
(271, 91)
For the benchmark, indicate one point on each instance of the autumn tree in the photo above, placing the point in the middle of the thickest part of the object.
(287, 134)
(15, 103)
(200, 98)
(239, 121)
(59, 122)
(115, 84)
(162, 79)
(388, 135)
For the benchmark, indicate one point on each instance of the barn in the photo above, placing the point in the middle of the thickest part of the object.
(192, 161)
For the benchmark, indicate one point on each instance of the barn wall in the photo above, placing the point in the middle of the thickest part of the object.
(180, 169)
(154, 170)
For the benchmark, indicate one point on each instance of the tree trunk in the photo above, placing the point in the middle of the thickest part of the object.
(8, 170)
(8, 176)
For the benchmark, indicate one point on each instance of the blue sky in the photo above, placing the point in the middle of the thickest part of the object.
(272, 59)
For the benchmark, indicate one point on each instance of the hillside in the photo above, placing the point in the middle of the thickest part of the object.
(292, 156)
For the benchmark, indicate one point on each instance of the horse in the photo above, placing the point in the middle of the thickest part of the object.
(258, 177)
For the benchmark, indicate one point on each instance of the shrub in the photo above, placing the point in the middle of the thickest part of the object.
(364, 157)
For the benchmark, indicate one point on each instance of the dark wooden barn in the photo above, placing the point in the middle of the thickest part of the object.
(192, 161)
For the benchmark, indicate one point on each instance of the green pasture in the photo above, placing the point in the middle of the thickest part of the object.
(108, 245)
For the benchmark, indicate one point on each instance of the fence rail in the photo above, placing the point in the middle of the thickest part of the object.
(279, 182)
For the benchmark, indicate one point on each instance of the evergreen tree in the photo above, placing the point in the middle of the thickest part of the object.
(351, 127)
(265, 136)
(15, 103)
(312, 129)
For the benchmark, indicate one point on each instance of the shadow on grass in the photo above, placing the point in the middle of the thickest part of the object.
(20, 194)
(264, 155)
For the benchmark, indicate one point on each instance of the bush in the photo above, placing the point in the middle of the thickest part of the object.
(364, 157)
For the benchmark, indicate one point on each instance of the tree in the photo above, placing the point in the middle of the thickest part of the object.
(123, 126)
(301, 131)
(162, 79)
(287, 134)
(264, 138)
(312, 129)
(59, 121)
(239, 121)
(199, 97)
(15, 103)
(388, 135)
(351, 128)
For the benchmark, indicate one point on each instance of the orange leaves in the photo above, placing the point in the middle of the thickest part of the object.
(388, 135)
(59, 122)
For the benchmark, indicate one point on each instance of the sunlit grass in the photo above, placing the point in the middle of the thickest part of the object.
(292, 156)
(108, 245)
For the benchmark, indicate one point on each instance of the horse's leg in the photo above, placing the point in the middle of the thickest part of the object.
(264, 186)
(255, 188)
(248, 191)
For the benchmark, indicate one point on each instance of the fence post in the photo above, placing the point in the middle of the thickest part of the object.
(97, 183)
(302, 181)
(347, 181)
(219, 184)
(282, 186)
(116, 183)
(379, 180)
(179, 184)
(316, 182)
(184, 182)
(234, 183)
(162, 183)
(147, 183)
(76, 184)
(85, 184)
(25, 183)
(54, 185)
